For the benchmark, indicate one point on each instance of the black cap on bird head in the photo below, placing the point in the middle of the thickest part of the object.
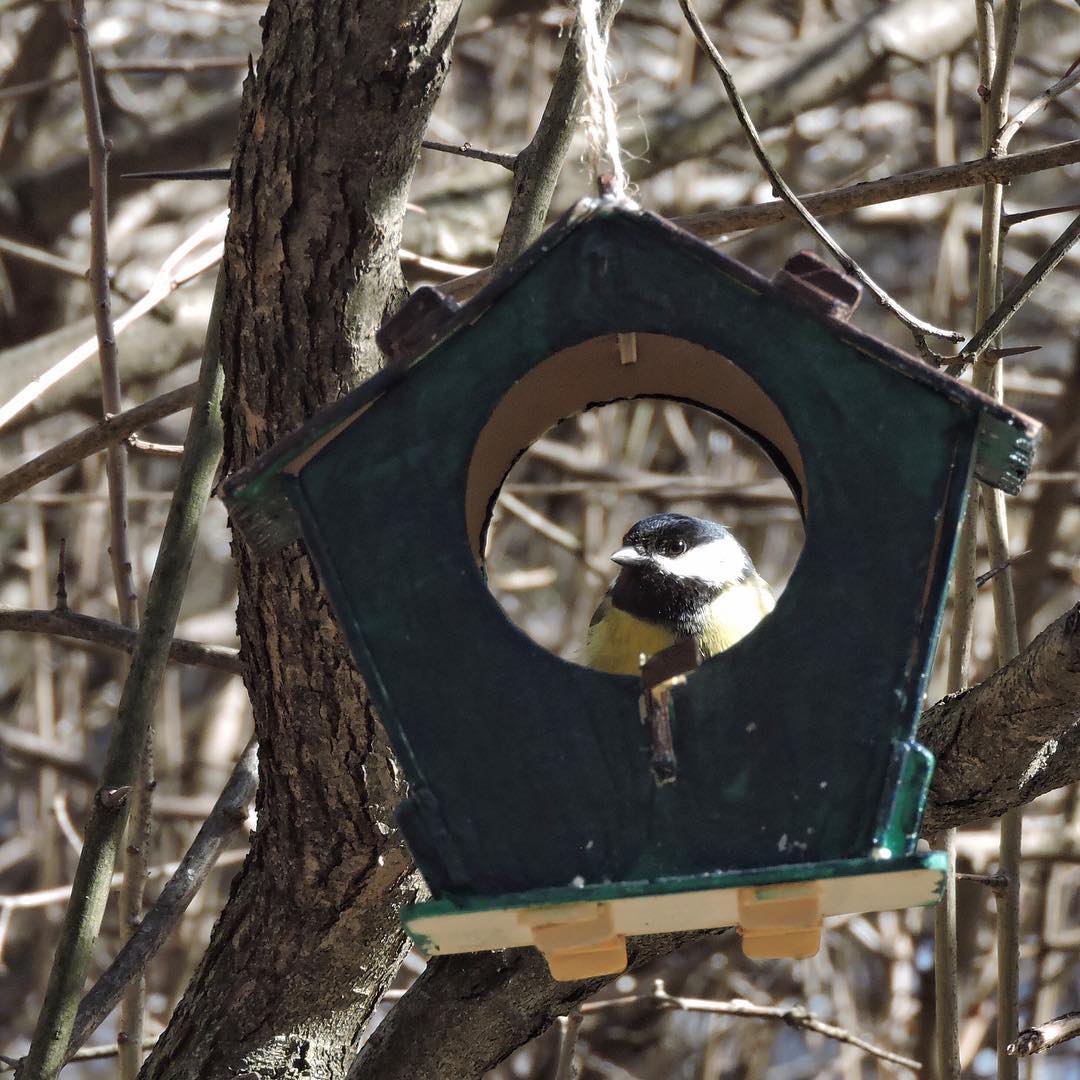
(672, 534)
(666, 552)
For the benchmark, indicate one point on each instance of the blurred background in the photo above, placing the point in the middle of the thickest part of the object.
(170, 76)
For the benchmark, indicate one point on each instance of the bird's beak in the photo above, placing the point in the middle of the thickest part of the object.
(628, 556)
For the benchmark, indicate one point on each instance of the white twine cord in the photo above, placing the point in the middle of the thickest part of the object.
(600, 118)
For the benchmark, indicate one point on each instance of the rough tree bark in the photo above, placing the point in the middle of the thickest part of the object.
(329, 136)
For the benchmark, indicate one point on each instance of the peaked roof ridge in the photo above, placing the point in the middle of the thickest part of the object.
(255, 496)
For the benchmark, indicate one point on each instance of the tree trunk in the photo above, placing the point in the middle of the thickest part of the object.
(329, 136)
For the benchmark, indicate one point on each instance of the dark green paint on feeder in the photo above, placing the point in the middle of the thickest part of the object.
(528, 773)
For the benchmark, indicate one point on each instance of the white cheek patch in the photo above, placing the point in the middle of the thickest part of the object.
(719, 562)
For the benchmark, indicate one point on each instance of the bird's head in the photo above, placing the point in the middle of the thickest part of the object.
(674, 548)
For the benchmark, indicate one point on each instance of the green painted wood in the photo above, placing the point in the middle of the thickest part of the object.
(528, 772)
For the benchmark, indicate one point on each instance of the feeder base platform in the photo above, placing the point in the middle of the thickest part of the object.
(582, 932)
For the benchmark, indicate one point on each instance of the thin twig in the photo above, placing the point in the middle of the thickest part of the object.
(72, 624)
(989, 575)
(88, 1053)
(1017, 296)
(1051, 93)
(211, 173)
(465, 149)
(713, 224)
(82, 920)
(918, 327)
(794, 1016)
(67, 826)
(997, 62)
(569, 1027)
(154, 449)
(41, 257)
(946, 983)
(93, 439)
(176, 65)
(549, 529)
(1045, 1036)
(226, 818)
(111, 395)
(17, 743)
(40, 898)
(997, 883)
(167, 280)
(61, 576)
(1009, 220)
(437, 266)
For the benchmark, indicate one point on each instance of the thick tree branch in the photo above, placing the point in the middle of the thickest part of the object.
(330, 137)
(537, 167)
(1010, 738)
(999, 744)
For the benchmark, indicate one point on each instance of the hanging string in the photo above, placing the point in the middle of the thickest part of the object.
(599, 116)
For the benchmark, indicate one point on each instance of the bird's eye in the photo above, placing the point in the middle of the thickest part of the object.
(674, 547)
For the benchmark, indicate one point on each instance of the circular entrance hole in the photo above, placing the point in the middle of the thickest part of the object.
(565, 506)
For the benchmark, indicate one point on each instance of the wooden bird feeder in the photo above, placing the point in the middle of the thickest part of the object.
(777, 784)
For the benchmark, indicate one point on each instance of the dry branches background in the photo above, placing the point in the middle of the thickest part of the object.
(842, 91)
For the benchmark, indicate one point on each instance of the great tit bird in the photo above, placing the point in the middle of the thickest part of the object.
(681, 577)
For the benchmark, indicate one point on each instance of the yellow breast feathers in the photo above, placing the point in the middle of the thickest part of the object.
(616, 640)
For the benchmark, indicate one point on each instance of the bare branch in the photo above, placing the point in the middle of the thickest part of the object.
(40, 257)
(713, 225)
(1051, 93)
(40, 898)
(569, 1027)
(87, 1053)
(537, 167)
(93, 439)
(226, 818)
(28, 744)
(507, 161)
(71, 624)
(918, 327)
(153, 449)
(111, 395)
(1010, 738)
(1046, 1036)
(793, 1015)
(168, 279)
(997, 61)
(1017, 296)
(436, 266)
(82, 920)
(1009, 220)
(175, 65)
